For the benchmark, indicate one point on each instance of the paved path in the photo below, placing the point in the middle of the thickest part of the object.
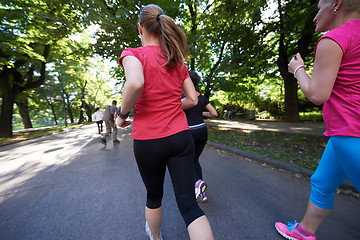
(69, 186)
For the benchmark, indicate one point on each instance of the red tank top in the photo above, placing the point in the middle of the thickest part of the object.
(159, 111)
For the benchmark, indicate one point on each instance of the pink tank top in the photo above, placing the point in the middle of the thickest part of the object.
(341, 112)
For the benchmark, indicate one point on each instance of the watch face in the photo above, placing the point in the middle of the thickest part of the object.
(124, 116)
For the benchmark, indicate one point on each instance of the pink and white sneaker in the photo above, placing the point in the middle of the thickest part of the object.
(204, 197)
(148, 232)
(200, 187)
(291, 231)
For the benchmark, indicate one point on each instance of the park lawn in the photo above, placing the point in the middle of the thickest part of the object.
(303, 150)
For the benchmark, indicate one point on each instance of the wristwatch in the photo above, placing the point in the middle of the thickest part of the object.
(124, 116)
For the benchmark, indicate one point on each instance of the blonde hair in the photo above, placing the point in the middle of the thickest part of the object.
(173, 40)
(350, 5)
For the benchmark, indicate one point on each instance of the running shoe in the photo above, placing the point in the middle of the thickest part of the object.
(291, 232)
(200, 187)
(103, 141)
(204, 198)
(148, 232)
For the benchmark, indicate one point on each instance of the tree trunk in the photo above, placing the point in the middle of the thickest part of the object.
(290, 83)
(67, 110)
(70, 114)
(11, 76)
(81, 117)
(54, 114)
(7, 109)
(88, 110)
(291, 97)
(308, 31)
(193, 16)
(52, 109)
(24, 113)
(8, 99)
(291, 92)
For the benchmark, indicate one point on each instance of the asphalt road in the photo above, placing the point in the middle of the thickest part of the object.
(69, 186)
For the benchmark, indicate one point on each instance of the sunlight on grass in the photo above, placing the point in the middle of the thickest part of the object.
(302, 150)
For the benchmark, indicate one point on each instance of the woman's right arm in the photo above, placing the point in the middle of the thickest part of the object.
(191, 98)
(133, 87)
(134, 84)
(326, 66)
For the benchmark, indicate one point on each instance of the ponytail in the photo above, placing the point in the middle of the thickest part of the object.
(173, 40)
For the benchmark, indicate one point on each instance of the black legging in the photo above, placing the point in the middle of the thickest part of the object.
(177, 153)
(200, 137)
(100, 125)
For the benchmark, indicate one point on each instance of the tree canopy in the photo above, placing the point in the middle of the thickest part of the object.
(58, 58)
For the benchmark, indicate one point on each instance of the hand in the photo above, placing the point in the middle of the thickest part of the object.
(295, 62)
(122, 122)
(126, 123)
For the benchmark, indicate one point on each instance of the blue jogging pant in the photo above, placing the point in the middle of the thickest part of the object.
(340, 162)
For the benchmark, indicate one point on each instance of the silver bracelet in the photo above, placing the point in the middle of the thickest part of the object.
(297, 68)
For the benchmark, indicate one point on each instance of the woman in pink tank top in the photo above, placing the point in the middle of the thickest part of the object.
(335, 82)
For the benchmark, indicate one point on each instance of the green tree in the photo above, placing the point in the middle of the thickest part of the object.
(295, 32)
(225, 45)
(236, 50)
(29, 31)
(244, 50)
(117, 22)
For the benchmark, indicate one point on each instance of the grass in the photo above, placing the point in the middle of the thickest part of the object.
(302, 150)
(35, 133)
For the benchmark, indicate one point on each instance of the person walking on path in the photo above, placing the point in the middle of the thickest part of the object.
(335, 81)
(155, 78)
(98, 118)
(199, 133)
(109, 120)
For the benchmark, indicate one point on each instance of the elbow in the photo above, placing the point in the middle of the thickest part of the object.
(137, 86)
(196, 101)
(193, 101)
(214, 114)
(189, 102)
(318, 100)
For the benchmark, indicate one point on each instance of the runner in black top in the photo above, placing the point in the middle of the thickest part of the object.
(199, 133)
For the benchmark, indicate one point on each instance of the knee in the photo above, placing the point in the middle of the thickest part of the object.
(154, 200)
(322, 192)
(188, 207)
